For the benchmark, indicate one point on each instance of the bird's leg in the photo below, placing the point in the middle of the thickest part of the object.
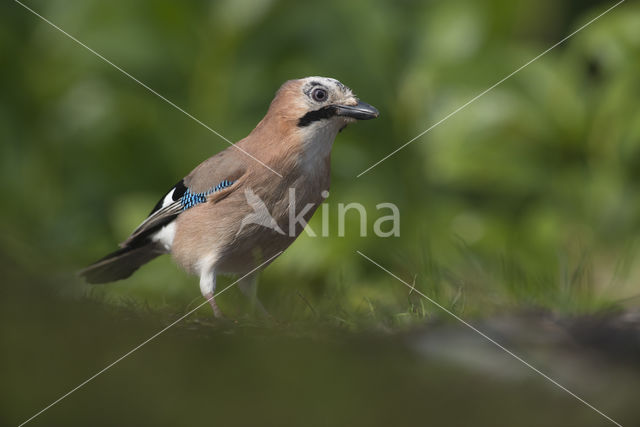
(249, 287)
(216, 310)
(208, 288)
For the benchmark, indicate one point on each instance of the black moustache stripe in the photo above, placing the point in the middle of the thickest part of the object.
(313, 116)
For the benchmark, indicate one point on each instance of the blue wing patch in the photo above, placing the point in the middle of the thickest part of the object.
(190, 199)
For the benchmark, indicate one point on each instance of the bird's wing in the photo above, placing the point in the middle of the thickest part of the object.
(217, 175)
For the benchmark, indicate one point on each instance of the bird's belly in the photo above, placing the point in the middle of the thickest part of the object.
(257, 242)
(250, 251)
(230, 236)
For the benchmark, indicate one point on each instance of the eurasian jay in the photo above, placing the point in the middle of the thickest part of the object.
(202, 221)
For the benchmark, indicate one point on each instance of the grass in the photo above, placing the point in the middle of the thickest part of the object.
(471, 284)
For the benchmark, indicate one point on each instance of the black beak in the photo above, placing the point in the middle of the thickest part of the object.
(360, 111)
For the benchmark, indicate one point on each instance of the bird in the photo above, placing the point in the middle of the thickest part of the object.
(234, 210)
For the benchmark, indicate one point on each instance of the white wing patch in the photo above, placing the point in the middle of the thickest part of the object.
(166, 234)
(168, 199)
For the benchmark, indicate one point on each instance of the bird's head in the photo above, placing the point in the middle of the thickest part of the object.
(303, 121)
(320, 102)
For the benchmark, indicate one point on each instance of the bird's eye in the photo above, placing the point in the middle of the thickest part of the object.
(319, 95)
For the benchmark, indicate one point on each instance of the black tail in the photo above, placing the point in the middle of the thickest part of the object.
(120, 264)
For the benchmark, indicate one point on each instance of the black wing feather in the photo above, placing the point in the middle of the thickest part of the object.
(178, 191)
(162, 214)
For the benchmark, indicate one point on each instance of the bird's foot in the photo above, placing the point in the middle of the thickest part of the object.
(216, 310)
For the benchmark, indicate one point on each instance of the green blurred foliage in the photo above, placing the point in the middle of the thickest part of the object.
(529, 196)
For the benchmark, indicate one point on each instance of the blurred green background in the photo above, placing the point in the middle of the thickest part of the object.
(527, 199)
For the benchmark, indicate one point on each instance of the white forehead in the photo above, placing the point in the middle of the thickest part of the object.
(328, 82)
